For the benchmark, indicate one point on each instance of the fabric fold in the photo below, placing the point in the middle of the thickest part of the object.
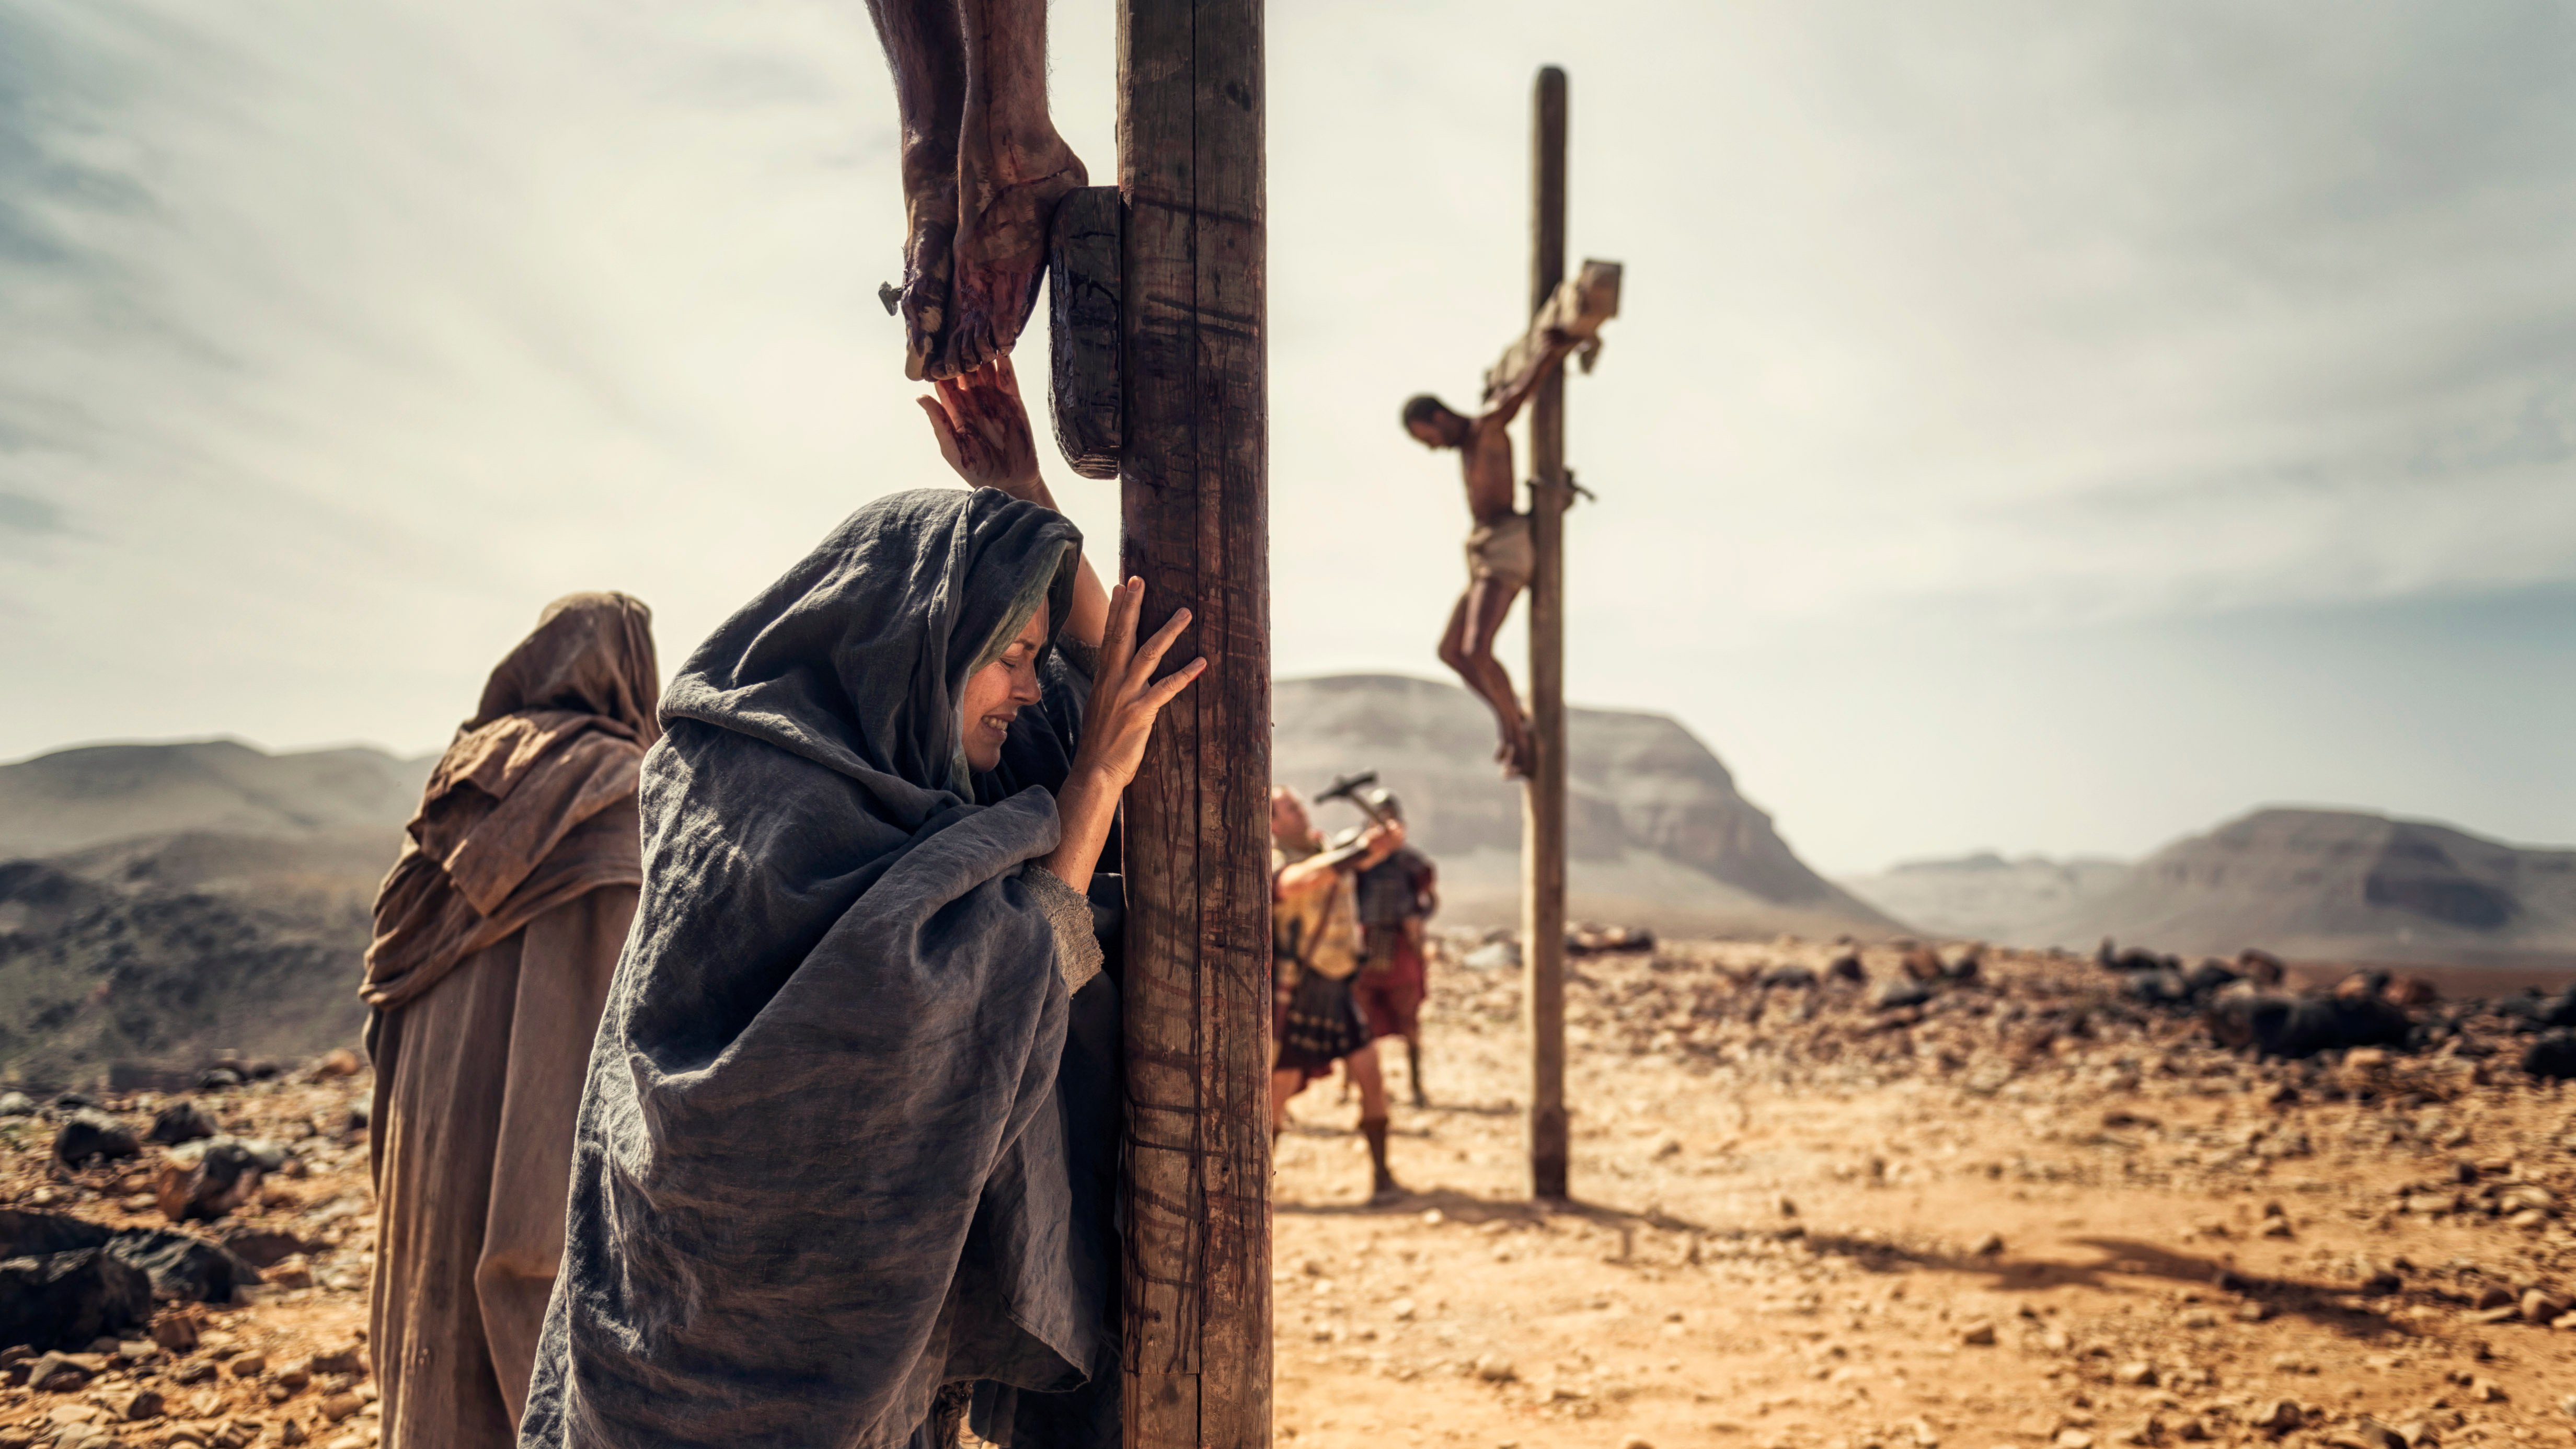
(499, 838)
(829, 1158)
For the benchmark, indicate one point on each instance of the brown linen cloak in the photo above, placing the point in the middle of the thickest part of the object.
(496, 934)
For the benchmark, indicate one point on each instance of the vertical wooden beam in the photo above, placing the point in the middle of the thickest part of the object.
(1543, 796)
(1194, 459)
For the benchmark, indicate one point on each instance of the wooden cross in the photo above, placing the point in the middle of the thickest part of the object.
(1158, 319)
(1560, 306)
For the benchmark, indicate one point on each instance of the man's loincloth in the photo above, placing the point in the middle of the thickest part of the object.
(1501, 551)
(1315, 1024)
(1389, 988)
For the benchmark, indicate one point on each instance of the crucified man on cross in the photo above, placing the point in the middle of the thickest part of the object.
(1500, 557)
(983, 169)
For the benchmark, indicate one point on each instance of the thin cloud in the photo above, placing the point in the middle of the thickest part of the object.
(342, 337)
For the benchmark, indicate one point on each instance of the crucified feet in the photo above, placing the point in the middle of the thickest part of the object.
(983, 169)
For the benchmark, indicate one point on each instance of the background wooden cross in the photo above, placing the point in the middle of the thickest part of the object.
(1576, 306)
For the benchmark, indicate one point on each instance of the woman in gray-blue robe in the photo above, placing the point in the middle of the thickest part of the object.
(846, 1149)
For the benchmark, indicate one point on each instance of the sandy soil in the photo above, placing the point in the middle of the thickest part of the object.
(2015, 1218)
(2022, 1213)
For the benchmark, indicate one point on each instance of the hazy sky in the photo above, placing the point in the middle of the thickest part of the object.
(2033, 426)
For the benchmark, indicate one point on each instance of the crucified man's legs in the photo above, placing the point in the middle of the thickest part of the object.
(927, 53)
(983, 169)
(1467, 646)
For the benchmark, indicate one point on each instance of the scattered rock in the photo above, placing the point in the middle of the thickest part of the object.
(176, 1330)
(2260, 966)
(2278, 1415)
(2551, 1057)
(132, 1403)
(1591, 940)
(59, 1373)
(1492, 1368)
(337, 1062)
(1980, 1334)
(1988, 1246)
(2297, 1027)
(181, 1122)
(16, 1104)
(184, 1267)
(209, 1179)
(348, 1359)
(89, 1135)
(63, 1300)
(262, 1246)
(1895, 995)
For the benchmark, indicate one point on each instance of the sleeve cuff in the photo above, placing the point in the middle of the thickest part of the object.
(1077, 950)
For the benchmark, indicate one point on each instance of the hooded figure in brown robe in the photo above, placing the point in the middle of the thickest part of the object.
(495, 936)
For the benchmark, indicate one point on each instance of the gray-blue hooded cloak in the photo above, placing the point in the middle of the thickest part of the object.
(846, 1138)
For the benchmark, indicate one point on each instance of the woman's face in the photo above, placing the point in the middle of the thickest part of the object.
(995, 693)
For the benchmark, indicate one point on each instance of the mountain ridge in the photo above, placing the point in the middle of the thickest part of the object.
(1657, 832)
(2305, 881)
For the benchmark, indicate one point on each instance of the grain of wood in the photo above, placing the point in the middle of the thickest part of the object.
(1193, 464)
(1543, 795)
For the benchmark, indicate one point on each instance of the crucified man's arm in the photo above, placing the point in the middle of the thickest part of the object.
(1571, 316)
(1502, 407)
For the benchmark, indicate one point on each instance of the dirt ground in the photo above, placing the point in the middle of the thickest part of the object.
(2021, 1215)
(2023, 1212)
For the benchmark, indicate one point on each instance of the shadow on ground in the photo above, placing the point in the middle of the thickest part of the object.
(2327, 1305)
(1459, 1207)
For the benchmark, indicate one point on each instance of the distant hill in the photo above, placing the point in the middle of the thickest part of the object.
(1986, 897)
(98, 793)
(1658, 834)
(2317, 885)
(161, 954)
(172, 902)
(2339, 885)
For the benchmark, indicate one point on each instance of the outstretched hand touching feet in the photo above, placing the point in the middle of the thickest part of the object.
(983, 430)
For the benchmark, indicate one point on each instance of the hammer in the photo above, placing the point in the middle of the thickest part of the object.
(1348, 787)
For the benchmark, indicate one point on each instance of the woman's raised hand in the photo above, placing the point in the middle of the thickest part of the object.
(983, 431)
(1126, 697)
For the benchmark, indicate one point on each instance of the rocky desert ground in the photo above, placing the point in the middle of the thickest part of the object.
(2020, 1209)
